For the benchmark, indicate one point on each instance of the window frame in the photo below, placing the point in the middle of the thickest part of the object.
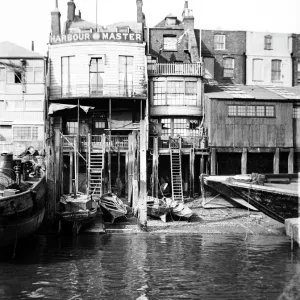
(180, 126)
(227, 69)
(251, 111)
(218, 43)
(274, 72)
(34, 136)
(268, 42)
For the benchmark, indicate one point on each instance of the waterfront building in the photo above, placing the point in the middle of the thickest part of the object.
(22, 98)
(175, 104)
(296, 59)
(253, 129)
(269, 60)
(224, 56)
(98, 80)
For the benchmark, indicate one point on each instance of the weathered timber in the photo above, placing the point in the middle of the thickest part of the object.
(71, 172)
(276, 162)
(130, 168)
(244, 161)
(213, 162)
(291, 161)
(155, 159)
(135, 184)
(143, 177)
(192, 172)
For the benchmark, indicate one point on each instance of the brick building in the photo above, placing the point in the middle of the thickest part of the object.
(224, 57)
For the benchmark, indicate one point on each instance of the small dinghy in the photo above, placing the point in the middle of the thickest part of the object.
(112, 207)
(158, 208)
(180, 210)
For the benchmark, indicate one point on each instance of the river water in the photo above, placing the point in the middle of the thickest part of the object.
(153, 266)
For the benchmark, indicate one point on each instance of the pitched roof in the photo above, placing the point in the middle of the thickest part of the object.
(252, 92)
(11, 50)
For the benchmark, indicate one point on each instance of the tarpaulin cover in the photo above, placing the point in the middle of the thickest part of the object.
(56, 107)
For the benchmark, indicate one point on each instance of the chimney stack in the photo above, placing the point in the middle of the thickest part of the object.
(140, 15)
(32, 45)
(71, 10)
(55, 20)
(79, 14)
(188, 17)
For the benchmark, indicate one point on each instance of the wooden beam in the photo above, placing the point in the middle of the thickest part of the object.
(71, 172)
(155, 159)
(244, 161)
(213, 161)
(202, 169)
(143, 178)
(291, 161)
(109, 148)
(276, 161)
(192, 172)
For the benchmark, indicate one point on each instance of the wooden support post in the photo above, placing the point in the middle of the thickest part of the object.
(155, 158)
(291, 161)
(192, 172)
(135, 184)
(103, 146)
(57, 163)
(276, 162)
(71, 172)
(202, 169)
(130, 168)
(143, 178)
(88, 162)
(109, 149)
(244, 161)
(213, 161)
(126, 174)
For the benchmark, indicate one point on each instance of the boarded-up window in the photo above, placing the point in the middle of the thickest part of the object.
(170, 43)
(258, 69)
(219, 42)
(228, 64)
(209, 65)
(276, 69)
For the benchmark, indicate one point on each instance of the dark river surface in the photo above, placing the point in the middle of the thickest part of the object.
(153, 266)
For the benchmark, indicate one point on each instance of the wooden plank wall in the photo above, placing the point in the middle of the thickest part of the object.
(250, 131)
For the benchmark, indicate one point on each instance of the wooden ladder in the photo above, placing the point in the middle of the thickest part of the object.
(95, 170)
(176, 176)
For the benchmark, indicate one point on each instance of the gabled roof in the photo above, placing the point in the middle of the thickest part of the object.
(252, 92)
(11, 50)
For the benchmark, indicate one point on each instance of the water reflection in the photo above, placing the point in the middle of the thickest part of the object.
(152, 266)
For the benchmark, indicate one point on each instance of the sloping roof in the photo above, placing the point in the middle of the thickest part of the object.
(252, 92)
(11, 50)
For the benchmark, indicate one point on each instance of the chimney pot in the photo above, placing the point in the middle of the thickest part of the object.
(32, 45)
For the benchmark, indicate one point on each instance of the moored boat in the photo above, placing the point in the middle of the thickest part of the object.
(278, 197)
(22, 204)
(158, 208)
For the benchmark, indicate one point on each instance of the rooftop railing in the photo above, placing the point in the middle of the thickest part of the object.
(185, 69)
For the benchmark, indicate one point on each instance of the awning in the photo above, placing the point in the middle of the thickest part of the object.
(56, 107)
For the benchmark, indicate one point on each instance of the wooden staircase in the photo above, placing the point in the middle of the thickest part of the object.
(95, 170)
(176, 175)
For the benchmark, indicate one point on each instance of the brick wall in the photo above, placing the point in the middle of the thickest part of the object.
(235, 47)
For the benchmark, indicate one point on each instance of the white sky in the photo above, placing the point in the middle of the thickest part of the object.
(23, 21)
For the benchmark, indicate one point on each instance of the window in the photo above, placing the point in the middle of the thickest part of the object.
(268, 42)
(34, 75)
(276, 70)
(175, 92)
(166, 126)
(209, 67)
(296, 112)
(298, 72)
(228, 64)
(219, 42)
(258, 69)
(170, 43)
(251, 111)
(68, 76)
(14, 76)
(96, 81)
(72, 128)
(33, 105)
(25, 133)
(159, 92)
(180, 127)
(5, 133)
(99, 124)
(125, 75)
(14, 105)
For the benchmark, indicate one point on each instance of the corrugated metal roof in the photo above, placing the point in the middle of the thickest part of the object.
(252, 92)
(11, 50)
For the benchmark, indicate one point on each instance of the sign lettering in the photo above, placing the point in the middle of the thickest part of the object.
(96, 36)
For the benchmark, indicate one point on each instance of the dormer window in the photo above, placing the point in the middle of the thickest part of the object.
(268, 42)
(219, 42)
(170, 43)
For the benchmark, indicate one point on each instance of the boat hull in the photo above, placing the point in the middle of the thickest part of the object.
(276, 203)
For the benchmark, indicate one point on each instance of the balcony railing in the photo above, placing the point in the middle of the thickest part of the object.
(197, 142)
(98, 91)
(175, 69)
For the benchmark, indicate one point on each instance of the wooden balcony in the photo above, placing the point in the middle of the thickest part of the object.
(176, 69)
(98, 143)
(98, 91)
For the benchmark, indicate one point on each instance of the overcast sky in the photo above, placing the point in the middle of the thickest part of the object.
(23, 21)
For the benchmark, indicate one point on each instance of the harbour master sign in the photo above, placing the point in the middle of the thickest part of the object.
(97, 36)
